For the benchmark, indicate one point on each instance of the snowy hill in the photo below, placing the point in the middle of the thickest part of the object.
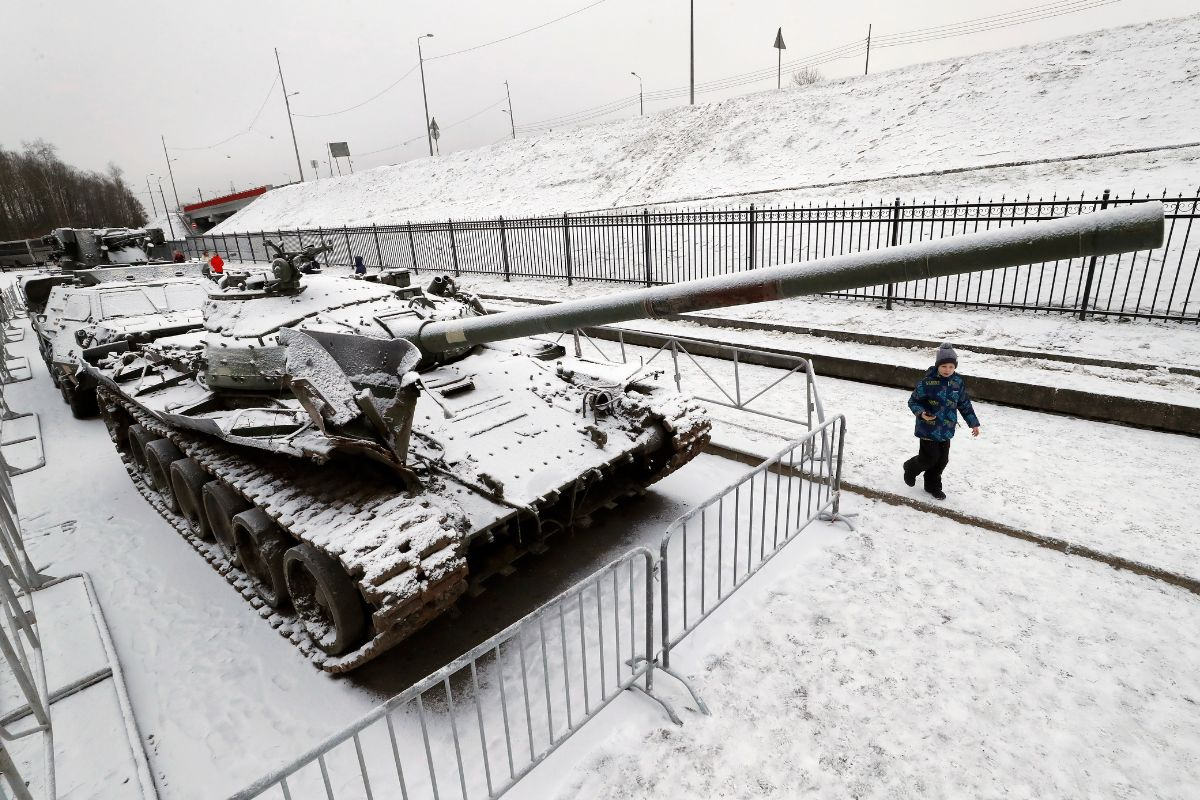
(1121, 89)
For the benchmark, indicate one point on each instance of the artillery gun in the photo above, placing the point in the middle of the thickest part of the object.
(284, 278)
(363, 452)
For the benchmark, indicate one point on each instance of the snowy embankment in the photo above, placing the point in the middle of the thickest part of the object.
(173, 225)
(929, 659)
(1104, 92)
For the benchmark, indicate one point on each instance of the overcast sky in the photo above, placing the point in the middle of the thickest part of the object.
(103, 79)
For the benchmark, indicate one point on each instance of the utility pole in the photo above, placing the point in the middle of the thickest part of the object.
(153, 207)
(641, 94)
(170, 224)
(867, 66)
(779, 48)
(424, 96)
(512, 122)
(288, 105)
(170, 171)
(692, 49)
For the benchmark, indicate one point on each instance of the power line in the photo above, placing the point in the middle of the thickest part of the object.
(372, 98)
(980, 24)
(243, 132)
(413, 68)
(444, 127)
(515, 35)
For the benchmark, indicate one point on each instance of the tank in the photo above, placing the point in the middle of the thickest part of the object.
(88, 311)
(84, 248)
(355, 455)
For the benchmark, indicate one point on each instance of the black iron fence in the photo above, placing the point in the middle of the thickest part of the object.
(648, 248)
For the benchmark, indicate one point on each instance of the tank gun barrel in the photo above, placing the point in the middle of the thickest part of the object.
(1121, 230)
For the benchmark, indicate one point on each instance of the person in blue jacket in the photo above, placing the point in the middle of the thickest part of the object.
(940, 396)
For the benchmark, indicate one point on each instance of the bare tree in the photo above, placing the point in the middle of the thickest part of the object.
(38, 193)
(807, 76)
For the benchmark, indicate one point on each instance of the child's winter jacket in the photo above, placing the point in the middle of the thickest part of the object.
(945, 399)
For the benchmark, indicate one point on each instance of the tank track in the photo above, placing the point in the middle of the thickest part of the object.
(689, 426)
(404, 553)
(407, 590)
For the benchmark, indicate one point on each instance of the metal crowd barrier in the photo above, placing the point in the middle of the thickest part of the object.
(479, 724)
(8, 305)
(11, 309)
(740, 400)
(21, 647)
(713, 549)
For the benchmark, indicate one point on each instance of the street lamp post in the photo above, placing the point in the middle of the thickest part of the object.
(287, 104)
(170, 223)
(424, 96)
(641, 95)
(170, 171)
(153, 207)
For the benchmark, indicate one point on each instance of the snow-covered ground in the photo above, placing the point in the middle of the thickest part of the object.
(929, 659)
(1102, 92)
(172, 224)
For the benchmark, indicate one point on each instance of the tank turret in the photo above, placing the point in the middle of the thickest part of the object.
(356, 453)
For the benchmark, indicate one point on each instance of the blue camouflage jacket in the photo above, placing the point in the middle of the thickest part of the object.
(945, 399)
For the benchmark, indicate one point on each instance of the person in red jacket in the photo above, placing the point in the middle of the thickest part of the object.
(217, 263)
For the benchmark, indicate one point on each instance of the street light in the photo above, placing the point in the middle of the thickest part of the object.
(641, 104)
(424, 96)
(153, 207)
(167, 211)
(288, 105)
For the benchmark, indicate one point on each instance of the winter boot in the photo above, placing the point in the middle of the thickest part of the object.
(909, 478)
(937, 493)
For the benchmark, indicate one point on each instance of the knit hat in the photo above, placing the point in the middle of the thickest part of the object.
(946, 355)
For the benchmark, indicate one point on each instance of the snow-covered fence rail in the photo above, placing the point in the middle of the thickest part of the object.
(478, 725)
(713, 549)
(670, 246)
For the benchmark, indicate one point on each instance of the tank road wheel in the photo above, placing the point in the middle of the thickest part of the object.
(326, 599)
(82, 401)
(187, 482)
(221, 505)
(260, 546)
(139, 437)
(160, 454)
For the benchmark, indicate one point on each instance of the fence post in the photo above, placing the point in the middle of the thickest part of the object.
(504, 249)
(349, 255)
(752, 257)
(412, 247)
(1087, 287)
(378, 249)
(837, 480)
(891, 287)
(646, 242)
(453, 246)
(567, 247)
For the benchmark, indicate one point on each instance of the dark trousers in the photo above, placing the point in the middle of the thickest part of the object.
(931, 459)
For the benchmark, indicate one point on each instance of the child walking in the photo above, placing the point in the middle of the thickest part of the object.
(937, 401)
